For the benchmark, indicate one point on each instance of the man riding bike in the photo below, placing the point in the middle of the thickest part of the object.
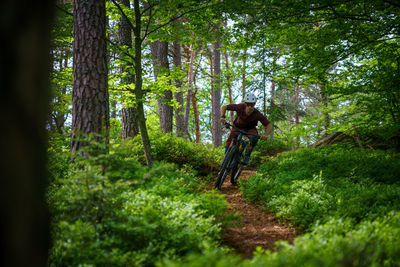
(246, 119)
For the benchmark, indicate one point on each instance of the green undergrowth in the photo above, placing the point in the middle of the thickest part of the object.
(267, 148)
(109, 210)
(345, 200)
(204, 159)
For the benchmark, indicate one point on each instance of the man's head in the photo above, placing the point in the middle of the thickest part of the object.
(250, 101)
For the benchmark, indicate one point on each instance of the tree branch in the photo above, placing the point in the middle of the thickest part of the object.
(123, 14)
(176, 17)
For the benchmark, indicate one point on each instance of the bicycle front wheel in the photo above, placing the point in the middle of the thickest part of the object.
(224, 167)
(221, 180)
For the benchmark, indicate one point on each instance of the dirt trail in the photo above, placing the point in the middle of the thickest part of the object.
(256, 227)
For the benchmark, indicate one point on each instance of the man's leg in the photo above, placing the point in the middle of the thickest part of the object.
(229, 140)
(253, 143)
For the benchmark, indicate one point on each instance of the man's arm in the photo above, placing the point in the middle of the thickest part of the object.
(268, 129)
(223, 111)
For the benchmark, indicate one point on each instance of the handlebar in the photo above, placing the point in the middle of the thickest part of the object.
(227, 125)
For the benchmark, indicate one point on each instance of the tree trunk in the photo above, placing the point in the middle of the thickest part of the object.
(24, 227)
(216, 104)
(90, 107)
(159, 51)
(60, 116)
(139, 83)
(296, 113)
(181, 131)
(228, 79)
(324, 98)
(190, 89)
(196, 112)
(244, 74)
(264, 81)
(212, 93)
(273, 106)
(129, 122)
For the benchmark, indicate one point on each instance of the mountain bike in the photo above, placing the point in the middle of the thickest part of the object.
(234, 156)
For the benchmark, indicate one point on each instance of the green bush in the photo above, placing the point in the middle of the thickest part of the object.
(266, 149)
(166, 147)
(310, 185)
(58, 157)
(347, 200)
(335, 243)
(112, 211)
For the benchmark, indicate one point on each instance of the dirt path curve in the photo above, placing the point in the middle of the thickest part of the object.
(256, 227)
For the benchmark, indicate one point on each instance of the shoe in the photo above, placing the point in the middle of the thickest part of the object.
(246, 160)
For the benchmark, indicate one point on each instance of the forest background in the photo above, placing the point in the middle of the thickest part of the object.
(123, 70)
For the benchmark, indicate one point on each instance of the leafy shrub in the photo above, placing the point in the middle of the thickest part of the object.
(58, 158)
(166, 147)
(312, 184)
(347, 200)
(267, 148)
(112, 211)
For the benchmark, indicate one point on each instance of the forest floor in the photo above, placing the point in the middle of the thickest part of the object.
(256, 226)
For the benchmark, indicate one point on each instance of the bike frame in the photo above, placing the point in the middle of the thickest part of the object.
(232, 159)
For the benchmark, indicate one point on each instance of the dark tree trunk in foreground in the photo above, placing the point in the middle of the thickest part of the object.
(159, 51)
(24, 224)
(90, 107)
(129, 123)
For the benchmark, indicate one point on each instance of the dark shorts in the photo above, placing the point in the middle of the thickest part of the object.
(235, 134)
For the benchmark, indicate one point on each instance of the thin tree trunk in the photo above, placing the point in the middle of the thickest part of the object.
(90, 107)
(216, 125)
(181, 131)
(325, 111)
(60, 116)
(228, 79)
(139, 84)
(212, 93)
(264, 80)
(296, 114)
(196, 110)
(190, 89)
(159, 51)
(129, 122)
(273, 106)
(244, 74)
(25, 224)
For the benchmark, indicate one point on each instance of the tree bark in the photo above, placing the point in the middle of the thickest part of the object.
(24, 77)
(324, 98)
(139, 84)
(296, 113)
(181, 130)
(216, 103)
(159, 51)
(90, 100)
(244, 74)
(212, 93)
(273, 106)
(192, 57)
(196, 111)
(129, 122)
(228, 79)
